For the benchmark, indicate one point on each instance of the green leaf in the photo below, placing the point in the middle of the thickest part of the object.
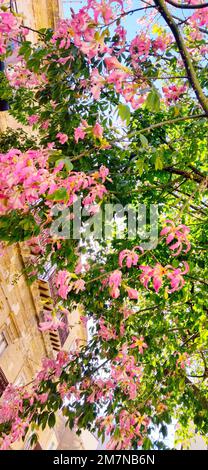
(181, 384)
(58, 195)
(147, 444)
(52, 420)
(124, 112)
(140, 165)
(67, 162)
(33, 439)
(25, 49)
(159, 162)
(153, 101)
(143, 140)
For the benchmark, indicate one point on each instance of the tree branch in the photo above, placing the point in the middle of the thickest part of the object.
(186, 174)
(203, 30)
(198, 393)
(187, 6)
(163, 123)
(192, 77)
(126, 13)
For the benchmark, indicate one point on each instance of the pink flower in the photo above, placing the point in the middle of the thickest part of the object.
(103, 173)
(146, 275)
(176, 277)
(173, 92)
(114, 282)
(97, 83)
(79, 285)
(84, 320)
(33, 119)
(97, 131)
(51, 145)
(5, 442)
(156, 274)
(115, 278)
(18, 428)
(106, 423)
(62, 283)
(139, 343)
(79, 133)
(114, 292)
(132, 293)
(45, 124)
(161, 42)
(131, 257)
(51, 324)
(62, 138)
(113, 63)
(106, 332)
(183, 360)
(178, 233)
(43, 397)
(139, 48)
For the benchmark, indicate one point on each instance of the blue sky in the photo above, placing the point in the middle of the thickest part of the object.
(130, 21)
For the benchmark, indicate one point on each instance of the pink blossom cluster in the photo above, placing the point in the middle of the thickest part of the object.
(157, 274)
(65, 285)
(124, 83)
(20, 76)
(52, 323)
(129, 430)
(12, 403)
(9, 29)
(81, 28)
(25, 177)
(172, 93)
(106, 332)
(80, 131)
(114, 282)
(52, 367)
(162, 42)
(199, 18)
(126, 373)
(130, 257)
(139, 49)
(179, 234)
(10, 407)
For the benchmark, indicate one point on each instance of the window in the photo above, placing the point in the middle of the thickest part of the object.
(3, 382)
(64, 332)
(3, 343)
(13, 5)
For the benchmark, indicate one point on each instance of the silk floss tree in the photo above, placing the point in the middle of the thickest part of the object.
(115, 122)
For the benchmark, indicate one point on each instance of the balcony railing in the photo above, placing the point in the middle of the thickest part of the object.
(59, 337)
(47, 283)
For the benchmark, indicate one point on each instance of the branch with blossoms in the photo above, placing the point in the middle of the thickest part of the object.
(106, 132)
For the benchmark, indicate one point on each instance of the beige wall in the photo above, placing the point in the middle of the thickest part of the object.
(37, 14)
(18, 320)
